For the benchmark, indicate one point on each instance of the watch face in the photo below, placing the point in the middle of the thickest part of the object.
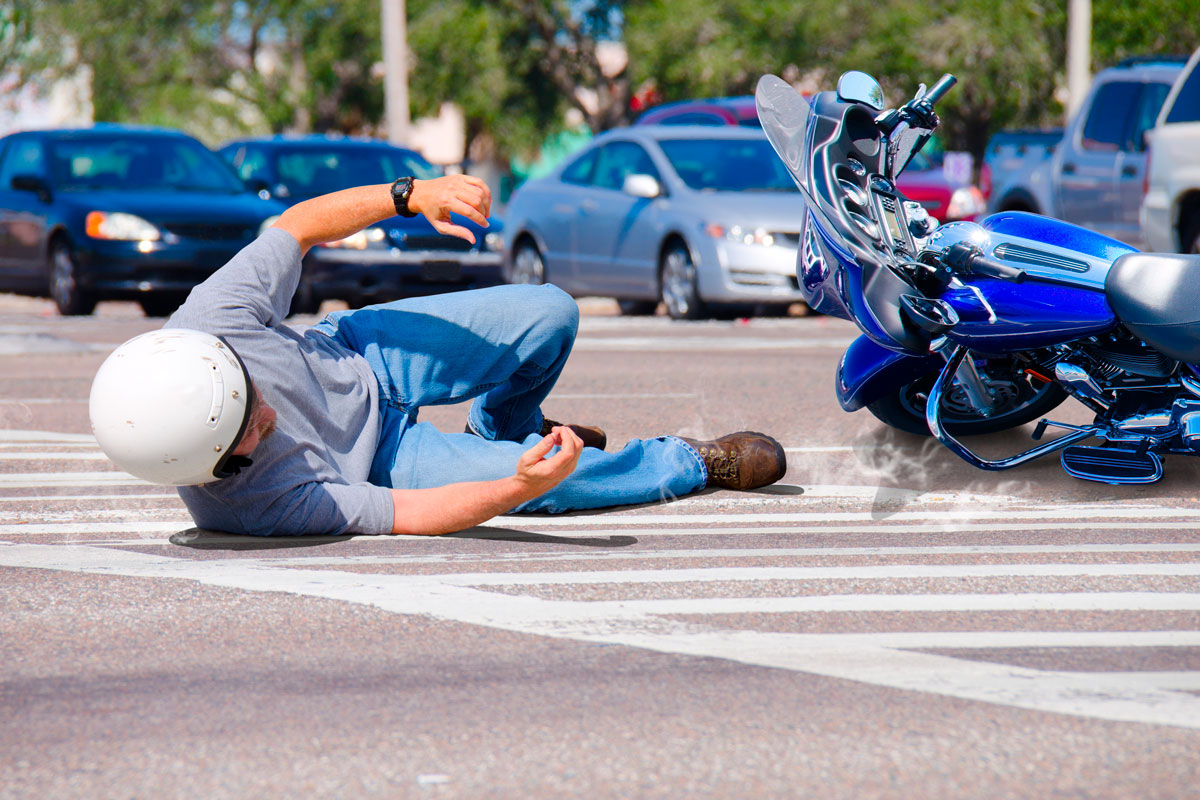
(401, 190)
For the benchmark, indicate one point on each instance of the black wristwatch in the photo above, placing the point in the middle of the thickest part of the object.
(401, 191)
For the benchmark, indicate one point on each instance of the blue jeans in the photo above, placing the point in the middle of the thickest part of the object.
(504, 347)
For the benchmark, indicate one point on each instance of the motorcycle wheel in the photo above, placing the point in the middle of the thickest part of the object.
(1021, 400)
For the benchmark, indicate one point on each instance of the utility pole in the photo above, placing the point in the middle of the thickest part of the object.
(395, 66)
(1079, 53)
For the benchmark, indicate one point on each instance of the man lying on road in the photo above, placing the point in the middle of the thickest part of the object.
(266, 430)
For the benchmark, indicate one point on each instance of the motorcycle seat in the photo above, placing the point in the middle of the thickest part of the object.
(1157, 297)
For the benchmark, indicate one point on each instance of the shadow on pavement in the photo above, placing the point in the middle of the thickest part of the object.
(509, 535)
(201, 539)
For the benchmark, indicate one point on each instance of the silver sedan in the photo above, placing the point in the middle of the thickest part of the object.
(696, 217)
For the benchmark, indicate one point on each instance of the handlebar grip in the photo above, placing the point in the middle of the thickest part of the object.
(939, 89)
(992, 268)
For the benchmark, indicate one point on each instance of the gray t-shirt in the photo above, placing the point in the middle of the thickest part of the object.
(310, 476)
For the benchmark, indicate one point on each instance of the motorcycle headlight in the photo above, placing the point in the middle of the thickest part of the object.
(740, 234)
(966, 202)
(362, 240)
(118, 225)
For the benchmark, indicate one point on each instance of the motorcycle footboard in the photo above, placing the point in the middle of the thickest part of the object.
(1115, 465)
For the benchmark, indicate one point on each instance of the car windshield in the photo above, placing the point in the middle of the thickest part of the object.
(728, 165)
(310, 172)
(139, 162)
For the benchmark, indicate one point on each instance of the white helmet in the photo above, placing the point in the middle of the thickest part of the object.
(169, 407)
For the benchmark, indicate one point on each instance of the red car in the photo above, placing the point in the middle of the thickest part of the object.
(923, 181)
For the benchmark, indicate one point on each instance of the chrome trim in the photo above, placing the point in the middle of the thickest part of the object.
(1008, 251)
(933, 418)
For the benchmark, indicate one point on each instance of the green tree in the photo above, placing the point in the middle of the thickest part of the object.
(515, 66)
(216, 68)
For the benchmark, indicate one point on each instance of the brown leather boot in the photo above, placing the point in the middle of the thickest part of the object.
(742, 460)
(591, 436)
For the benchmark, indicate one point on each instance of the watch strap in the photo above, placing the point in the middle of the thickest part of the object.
(401, 191)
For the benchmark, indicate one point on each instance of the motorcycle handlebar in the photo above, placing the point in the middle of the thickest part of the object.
(963, 257)
(982, 265)
(939, 89)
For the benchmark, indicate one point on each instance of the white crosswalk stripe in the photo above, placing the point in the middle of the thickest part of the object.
(770, 602)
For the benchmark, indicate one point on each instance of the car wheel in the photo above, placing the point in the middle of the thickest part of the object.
(69, 297)
(677, 277)
(159, 305)
(637, 308)
(528, 265)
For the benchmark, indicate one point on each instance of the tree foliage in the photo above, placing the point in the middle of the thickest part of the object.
(514, 66)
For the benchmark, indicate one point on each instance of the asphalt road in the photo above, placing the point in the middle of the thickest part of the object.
(886, 622)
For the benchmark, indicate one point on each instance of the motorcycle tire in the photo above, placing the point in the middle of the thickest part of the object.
(1022, 400)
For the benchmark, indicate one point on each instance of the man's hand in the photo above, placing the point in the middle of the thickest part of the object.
(458, 506)
(540, 474)
(464, 195)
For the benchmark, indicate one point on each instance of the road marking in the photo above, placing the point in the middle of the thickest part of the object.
(504, 527)
(935, 603)
(662, 344)
(915, 551)
(12, 435)
(40, 401)
(880, 659)
(39, 480)
(52, 456)
(73, 498)
(859, 572)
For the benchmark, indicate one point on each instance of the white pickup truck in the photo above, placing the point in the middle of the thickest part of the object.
(1095, 175)
(1171, 207)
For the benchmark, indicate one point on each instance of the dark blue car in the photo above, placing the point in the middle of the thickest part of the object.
(395, 258)
(115, 212)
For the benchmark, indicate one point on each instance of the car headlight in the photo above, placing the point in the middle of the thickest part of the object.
(120, 226)
(493, 242)
(967, 201)
(369, 238)
(268, 222)
(740, 234)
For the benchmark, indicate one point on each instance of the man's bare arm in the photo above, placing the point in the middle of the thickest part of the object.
(459, 506)
(335, 216)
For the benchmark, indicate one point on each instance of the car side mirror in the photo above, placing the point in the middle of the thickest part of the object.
(646, 187)
(32, 183)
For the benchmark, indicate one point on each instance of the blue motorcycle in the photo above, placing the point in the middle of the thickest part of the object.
(976, 328)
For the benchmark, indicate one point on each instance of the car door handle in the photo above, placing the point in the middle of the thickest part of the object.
(1068, 169)
(587, 205)
(1129, 170)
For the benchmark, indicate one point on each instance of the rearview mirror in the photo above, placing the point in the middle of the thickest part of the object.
(644, 186)
(32, 183)
(859, 87)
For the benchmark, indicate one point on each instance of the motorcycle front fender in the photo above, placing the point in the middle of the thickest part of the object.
(868, 371)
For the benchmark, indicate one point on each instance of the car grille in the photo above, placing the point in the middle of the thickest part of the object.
(448, 243)
(209, 232)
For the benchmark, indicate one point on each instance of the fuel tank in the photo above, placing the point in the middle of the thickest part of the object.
(1063, 299)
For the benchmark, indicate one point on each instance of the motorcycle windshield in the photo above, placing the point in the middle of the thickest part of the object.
(784, 114)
